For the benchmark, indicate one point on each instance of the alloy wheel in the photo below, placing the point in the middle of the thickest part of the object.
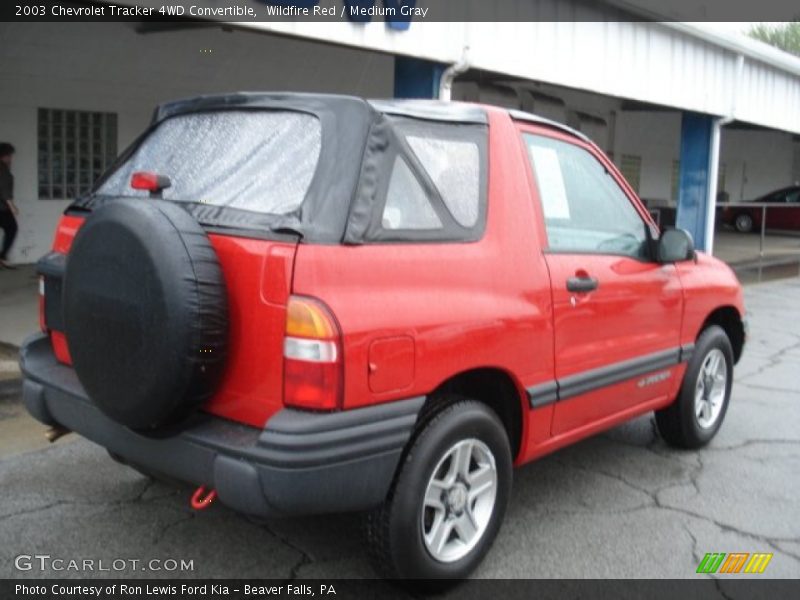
(712, 382)
(459, 500)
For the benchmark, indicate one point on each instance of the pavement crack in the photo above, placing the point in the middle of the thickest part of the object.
(33, 510)
(723, 526)
(753, 442)
(773, 360)
(718, 585)
(305, 557)
(775, 545)
(167, 527)
(695, 553)
(147, 485)
(766, 388)
(650, 494)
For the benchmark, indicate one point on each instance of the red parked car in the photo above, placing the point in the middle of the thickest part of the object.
(783, 212)
(314, 304)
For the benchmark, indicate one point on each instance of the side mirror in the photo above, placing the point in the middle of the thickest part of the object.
(675, 245)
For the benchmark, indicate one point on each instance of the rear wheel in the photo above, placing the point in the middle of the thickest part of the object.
(743, 223)
(448, 499)
(696, 416)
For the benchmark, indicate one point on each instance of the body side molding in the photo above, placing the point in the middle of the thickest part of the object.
(548, 392)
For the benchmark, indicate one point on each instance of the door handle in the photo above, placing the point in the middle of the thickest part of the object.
(582, 284)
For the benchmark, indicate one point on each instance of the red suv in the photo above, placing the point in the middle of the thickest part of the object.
(314, 304)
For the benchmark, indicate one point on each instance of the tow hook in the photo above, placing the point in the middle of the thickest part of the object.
(199, 501)
(54, 433)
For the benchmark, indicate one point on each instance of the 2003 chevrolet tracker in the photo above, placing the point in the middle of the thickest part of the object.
(314, 304)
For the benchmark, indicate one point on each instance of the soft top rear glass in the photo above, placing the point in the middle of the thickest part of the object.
(260, 161)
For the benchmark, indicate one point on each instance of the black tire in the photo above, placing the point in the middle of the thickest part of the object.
(395, 530)
(743, 223)
(679, 424)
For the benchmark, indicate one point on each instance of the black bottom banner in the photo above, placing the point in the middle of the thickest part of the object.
(345, 589)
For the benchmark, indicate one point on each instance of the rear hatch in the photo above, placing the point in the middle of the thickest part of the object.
(245, 176)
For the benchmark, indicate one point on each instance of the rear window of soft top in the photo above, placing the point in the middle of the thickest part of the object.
(261, 161)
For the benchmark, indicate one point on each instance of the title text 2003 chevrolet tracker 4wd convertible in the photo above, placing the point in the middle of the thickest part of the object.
(313, 304)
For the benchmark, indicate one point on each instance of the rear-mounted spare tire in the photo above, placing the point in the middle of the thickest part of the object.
(145, 311)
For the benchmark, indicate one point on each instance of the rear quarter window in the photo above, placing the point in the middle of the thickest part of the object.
(454, 167)
(260, 161)
(436, 183)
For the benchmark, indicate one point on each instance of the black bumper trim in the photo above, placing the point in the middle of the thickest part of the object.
(301, 463)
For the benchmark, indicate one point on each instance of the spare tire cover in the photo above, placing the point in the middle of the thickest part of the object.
(145, 312)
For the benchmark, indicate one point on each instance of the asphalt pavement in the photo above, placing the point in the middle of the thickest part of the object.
(619, 505)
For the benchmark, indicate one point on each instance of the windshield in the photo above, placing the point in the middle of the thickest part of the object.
(261, 161)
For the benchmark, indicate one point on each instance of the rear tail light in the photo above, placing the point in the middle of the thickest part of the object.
(42, 324)
(312, 366)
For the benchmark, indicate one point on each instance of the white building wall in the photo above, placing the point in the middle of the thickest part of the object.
(669, 64)
(796, 167)
(755, 162)
(109, 67)
(655, 137)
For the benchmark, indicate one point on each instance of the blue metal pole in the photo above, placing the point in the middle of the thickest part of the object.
(694, 178)
(416, 78)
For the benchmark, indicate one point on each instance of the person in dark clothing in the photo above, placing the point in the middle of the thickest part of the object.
(8, 210)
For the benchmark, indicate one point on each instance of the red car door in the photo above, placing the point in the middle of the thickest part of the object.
(617, 313)
(786, 216)
(793, 209)
(776, 213)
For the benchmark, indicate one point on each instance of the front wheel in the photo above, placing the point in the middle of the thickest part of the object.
(697, 414)
(448, 499)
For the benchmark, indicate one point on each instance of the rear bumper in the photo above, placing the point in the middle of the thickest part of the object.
(300, 463)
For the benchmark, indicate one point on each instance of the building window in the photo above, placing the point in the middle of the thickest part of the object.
(75, 147)
(631, 168)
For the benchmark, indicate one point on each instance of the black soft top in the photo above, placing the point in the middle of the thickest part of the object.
(433, 110)
(358, 138)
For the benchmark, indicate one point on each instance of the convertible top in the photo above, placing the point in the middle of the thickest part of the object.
(431, 110)
(360, 140)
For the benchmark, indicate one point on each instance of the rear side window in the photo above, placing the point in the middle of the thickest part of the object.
(434, 178)
(260, 161)
(407, 204)
(454, 167)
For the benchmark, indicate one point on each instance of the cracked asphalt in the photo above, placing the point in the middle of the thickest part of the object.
(620, 505)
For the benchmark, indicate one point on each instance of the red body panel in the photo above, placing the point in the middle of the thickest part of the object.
(466, 305)
(65, 232)
(413, 315)
(708, 284)
(258, 278)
